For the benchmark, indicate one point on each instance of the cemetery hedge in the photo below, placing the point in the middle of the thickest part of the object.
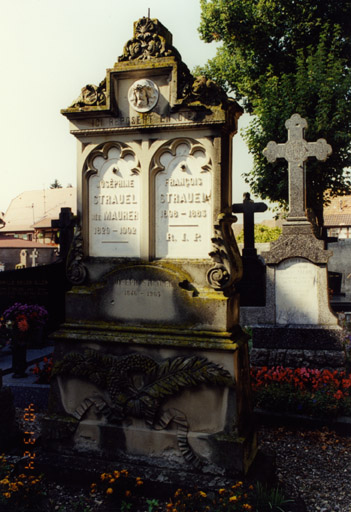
(278, 58)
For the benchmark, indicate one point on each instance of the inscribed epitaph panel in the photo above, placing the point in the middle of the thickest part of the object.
(114, 204)
(183, 204)
(296, 289)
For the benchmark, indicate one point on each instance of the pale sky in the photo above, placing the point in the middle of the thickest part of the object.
(50, 50)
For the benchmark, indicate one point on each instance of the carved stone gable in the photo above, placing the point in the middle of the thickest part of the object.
(151, 40)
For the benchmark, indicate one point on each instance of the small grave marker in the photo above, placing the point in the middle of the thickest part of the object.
(34, 256)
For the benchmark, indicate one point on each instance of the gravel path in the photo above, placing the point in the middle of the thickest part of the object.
(314, 465)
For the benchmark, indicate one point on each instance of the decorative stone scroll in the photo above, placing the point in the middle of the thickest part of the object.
(183, 201)
(114, 202)
(297, 151)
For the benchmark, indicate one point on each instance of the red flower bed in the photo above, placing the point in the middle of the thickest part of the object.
(307, 390)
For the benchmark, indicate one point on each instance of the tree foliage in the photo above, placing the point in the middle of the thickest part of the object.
(262, 234)
(280, 57)
(56, 184)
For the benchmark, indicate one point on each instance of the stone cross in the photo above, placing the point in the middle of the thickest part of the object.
(249, 208)
(65, 225)
(296, 151)
(33, 257)
(23, 257)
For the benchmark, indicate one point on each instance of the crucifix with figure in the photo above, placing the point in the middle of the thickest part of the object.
(297, 151)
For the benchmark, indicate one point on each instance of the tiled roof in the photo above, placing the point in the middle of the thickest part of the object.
(14, 243)
(337, 219)
(38, 207)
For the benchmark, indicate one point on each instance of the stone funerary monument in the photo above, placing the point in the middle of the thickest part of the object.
(151, 364)
(296, 328)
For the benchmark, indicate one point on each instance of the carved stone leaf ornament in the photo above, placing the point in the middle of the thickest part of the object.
(75, 270)
(204, 90)
(160, 381)
(228, 267)
(147, 43)
(91, 95)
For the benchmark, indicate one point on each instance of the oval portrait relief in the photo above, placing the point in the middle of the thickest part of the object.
(143, 95)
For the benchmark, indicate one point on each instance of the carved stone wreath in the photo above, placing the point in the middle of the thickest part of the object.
(128, 397)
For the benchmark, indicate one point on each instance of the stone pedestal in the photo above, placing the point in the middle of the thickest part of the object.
(149, 366)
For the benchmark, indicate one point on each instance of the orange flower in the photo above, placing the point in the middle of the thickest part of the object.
(109, 490)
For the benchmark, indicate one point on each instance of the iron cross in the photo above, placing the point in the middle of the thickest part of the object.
(297, 151)
(249, 208)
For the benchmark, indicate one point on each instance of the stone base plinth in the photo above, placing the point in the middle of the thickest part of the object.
(296, 347)
(152, 396)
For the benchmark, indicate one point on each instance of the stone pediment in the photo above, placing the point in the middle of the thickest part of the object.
(150, 83)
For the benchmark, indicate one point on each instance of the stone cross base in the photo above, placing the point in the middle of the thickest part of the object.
(298, 347)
